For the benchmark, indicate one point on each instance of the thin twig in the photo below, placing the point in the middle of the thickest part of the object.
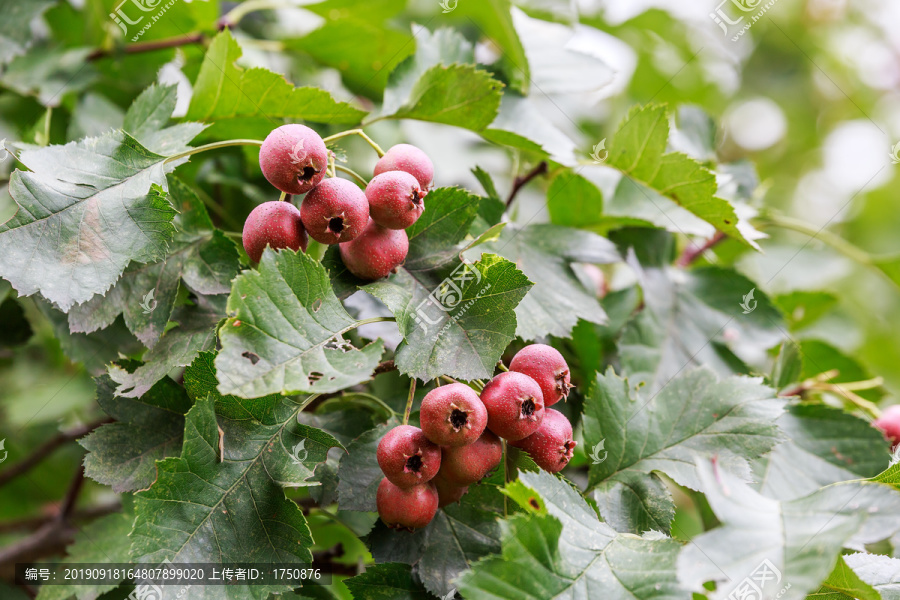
(174, 42)
(409, 400)
(522, 180)
(85, 514)
(68, 502)
(46, 449)
(693, 252)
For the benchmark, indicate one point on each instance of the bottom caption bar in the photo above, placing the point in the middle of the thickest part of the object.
(171, 574)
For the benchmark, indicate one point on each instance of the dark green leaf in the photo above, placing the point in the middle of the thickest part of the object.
(15, 28)
(389, 581)
(286, 332)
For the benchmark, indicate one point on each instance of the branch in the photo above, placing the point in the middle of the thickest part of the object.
(175, 42)
(51, 539)
(522, 180)
(385, 367)
(46, 449)
(693, 252)
(85, 514)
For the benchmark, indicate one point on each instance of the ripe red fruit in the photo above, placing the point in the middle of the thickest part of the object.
(407, 158)
(515, 405)
(406, 508)
(448, 492)
(406, 456)
(396, 200)
(293, 158)
(889, 423)
(376, 252)
(552, 444)
(276, 224)
(547, 366)
(464, 465)
(453, 415)
(335, 211)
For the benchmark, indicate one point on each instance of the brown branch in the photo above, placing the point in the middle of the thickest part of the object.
(68, 502)
(174, 42)
(693, 251)
(51, 539)
(522, 180)
(385, 367)
(47, 448)
(85, 514)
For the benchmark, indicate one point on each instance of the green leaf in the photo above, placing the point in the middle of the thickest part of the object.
(359, 473)
(49, 73)
(493, 20)
(802, 308)
(823, 445)
(573, 201)
(195, 333)
(846, 582)
(388, 581)
(145, 295)
(102, 542)
(800, 538)
(637, 149)
(124, 454)
(694, 415)
(224, 502)
(362, 50)
(225, 91)
(460, 95)
(15, 29)
(286, 332)
(878, 571)
(545, 253)
(569, 553)
(694, 318)
(148, 116)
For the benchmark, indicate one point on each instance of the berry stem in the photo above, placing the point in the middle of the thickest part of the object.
(409, 401)
(213, 146)
(359, 178)
(358, 132)
(506, 478)
(283, 197)
(501, 366)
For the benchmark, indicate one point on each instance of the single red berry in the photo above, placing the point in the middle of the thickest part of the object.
(453, 415)
(276, 224)
(515, 405)
(551, 445)
(406, 456)
(547, 366)
(406, 508)
(293, 158)
(396, 200)
(448, 492)
(376, 252)
(407, 158)
(335, 211)
(889, 423)
(464, 465)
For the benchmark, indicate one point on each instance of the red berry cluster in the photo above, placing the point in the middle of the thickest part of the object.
(459, 440)
(368, 226)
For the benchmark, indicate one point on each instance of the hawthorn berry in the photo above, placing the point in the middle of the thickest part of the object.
(293, 158)
(547, 367)
(889, 423)
(407, 158)
(515, 405)
(396, 200)
(464, 465)
(448, 492)
(453, 415)
(335, 211)
(376, 252)
(275, 224)
(406, 508)
(551, 445)
(406, 456)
